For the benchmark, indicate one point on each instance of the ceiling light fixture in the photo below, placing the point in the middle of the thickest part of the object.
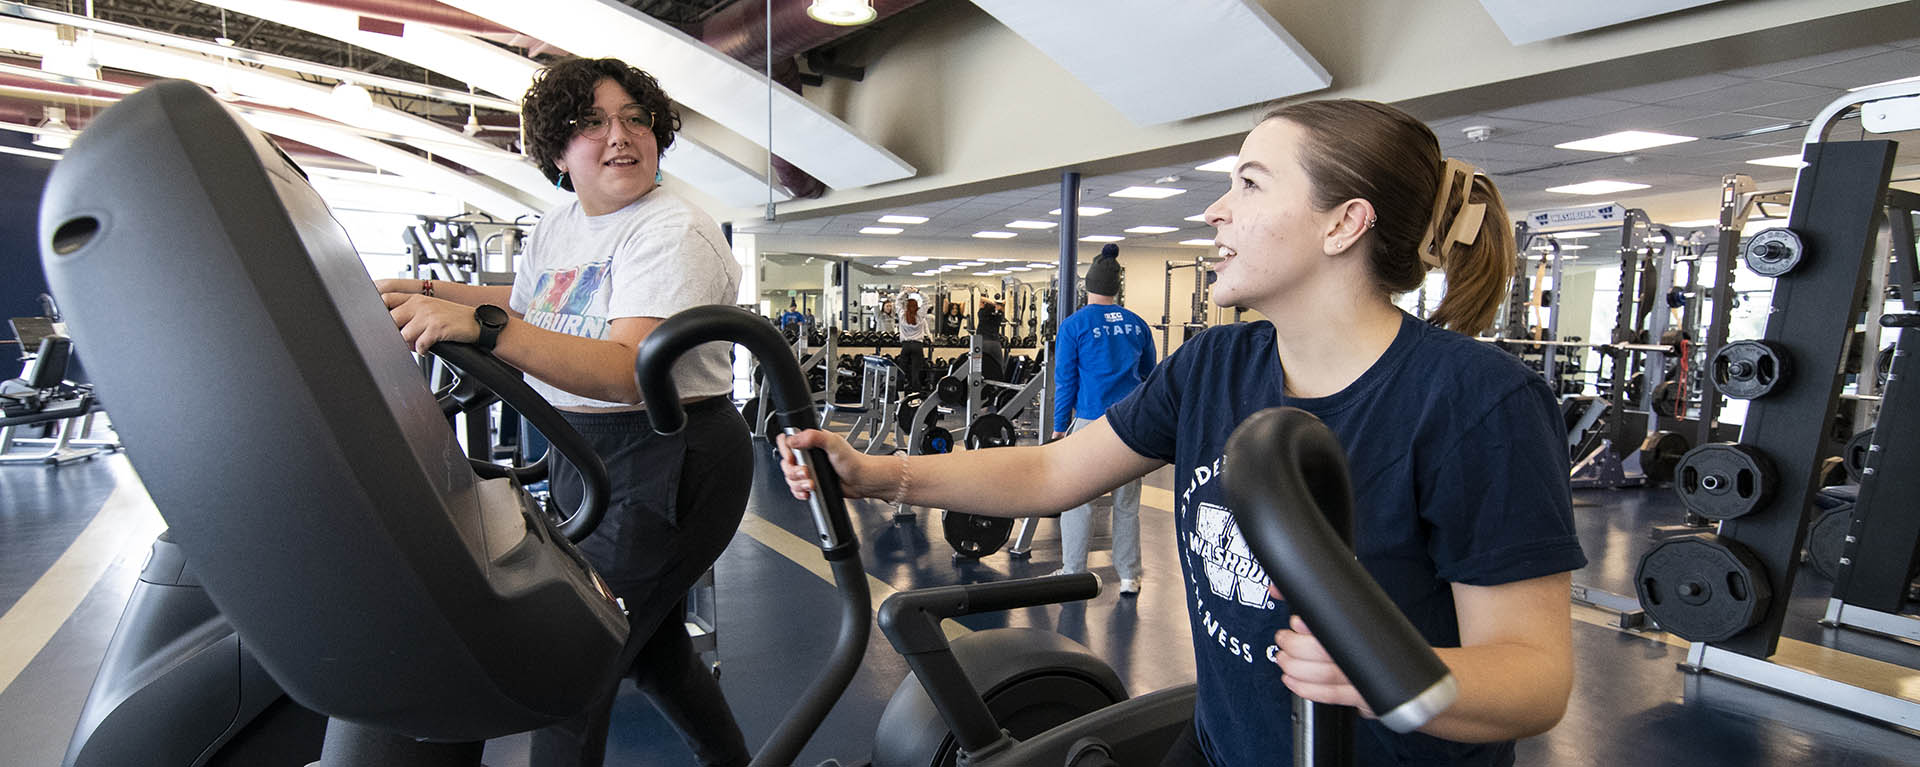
(54, 132)
(1147, 192)
(1101, 238)
(1085, 210)
(1222, 165)
(1783, 161)
(991, 235)
(842, 13)
(1574, 235)
(1041, 266)
(350, 97)
(1198, 241)
(914, 259)
(1152, 229)
(1597, 187)
(1625, 141)
(881, 230)
(896, 219)
(971, 263)
(1200, 217)
(1025, 224)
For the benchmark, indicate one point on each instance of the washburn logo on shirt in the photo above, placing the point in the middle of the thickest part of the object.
(1232, 573)
(561, 298)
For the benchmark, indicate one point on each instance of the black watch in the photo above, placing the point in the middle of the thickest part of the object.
(492, 319)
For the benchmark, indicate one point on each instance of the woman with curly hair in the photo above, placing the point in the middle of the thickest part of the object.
(599, 274)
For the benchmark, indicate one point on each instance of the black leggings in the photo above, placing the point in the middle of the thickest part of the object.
(676, 502)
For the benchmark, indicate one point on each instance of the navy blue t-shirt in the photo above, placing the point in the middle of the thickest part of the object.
(1459, 469)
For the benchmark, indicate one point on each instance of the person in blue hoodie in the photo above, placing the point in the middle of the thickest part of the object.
(1102, 353)
(1457, 451)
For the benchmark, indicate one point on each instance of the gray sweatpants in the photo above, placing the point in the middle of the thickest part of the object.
(1076, 526)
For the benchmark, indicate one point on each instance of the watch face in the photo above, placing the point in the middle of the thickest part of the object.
(490, 316)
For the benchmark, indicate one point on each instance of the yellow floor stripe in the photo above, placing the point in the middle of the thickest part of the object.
(805, 554)
(128, 516)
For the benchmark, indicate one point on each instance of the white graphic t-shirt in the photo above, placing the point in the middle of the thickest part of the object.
(653, 258)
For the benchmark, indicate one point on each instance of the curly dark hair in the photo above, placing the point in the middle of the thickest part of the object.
(564, 91)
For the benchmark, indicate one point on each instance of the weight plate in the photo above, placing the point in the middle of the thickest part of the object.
(1723, 480)
(1660, 454)
(1666, 399)
(952, 391)
(1774, 252)
(936, 441)
(973, 535)
(1748, 369)
(1827, 540)
(990, 430)
(1702, 588)
(1856, 451)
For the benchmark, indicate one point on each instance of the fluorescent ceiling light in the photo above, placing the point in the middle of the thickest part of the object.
(1625, 141)
(991, 235)
(1562, 248)
(1148, 192)
(1222, 165)
(891, 265)
(1019, 268)
(29, 153)
(1197, 241)
(971, 263)
(1915, 78)
(928, 273)
(1101, 238)
(1783, 161)
(1597, 187)
(1025, 224)
(983, 274)
(1575, 235)
(1152, 229)
(914, 259)
(1085, 210)
(1200, 217)
(881, 230)
(895, 219)
(996, 272)
(1041, 266)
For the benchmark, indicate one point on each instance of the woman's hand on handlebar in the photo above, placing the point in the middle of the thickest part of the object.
(858, 474)
(425, 321)
(1307, 669)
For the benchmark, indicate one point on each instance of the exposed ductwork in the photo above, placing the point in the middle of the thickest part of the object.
(740, 31)
(419, 12)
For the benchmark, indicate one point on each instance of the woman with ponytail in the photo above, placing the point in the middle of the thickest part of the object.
(1457, 451)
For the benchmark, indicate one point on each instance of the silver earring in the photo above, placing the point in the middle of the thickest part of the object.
(1371, 221)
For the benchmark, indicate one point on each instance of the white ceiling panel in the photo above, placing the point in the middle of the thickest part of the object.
(1855, 73)
(1653, 93)
(1526, 21)
(1206, 56)
(706, 81)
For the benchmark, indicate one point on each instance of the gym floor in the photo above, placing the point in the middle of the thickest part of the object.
(72, 540)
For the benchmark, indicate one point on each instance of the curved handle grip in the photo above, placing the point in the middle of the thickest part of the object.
(506, 382)
(1287, 480)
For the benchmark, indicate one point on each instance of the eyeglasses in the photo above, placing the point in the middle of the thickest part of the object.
(593, 124)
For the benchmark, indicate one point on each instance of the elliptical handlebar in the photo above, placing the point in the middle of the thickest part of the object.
(505, 382)
(1287, 480)
(791, 405)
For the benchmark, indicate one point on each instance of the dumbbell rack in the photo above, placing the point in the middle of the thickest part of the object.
(1820, 263)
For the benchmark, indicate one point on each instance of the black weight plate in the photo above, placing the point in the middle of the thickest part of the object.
(990, 430)
(1827, 540)
(1702, 588)
(1666, 399)
(1856, 451)
(973, 535)
(952, 391)
(935, 441)
(1723, 480)
(1748, 369)
(1660, 454)
(1774, 252)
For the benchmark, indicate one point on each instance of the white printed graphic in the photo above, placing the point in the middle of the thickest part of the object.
(1232, 572)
